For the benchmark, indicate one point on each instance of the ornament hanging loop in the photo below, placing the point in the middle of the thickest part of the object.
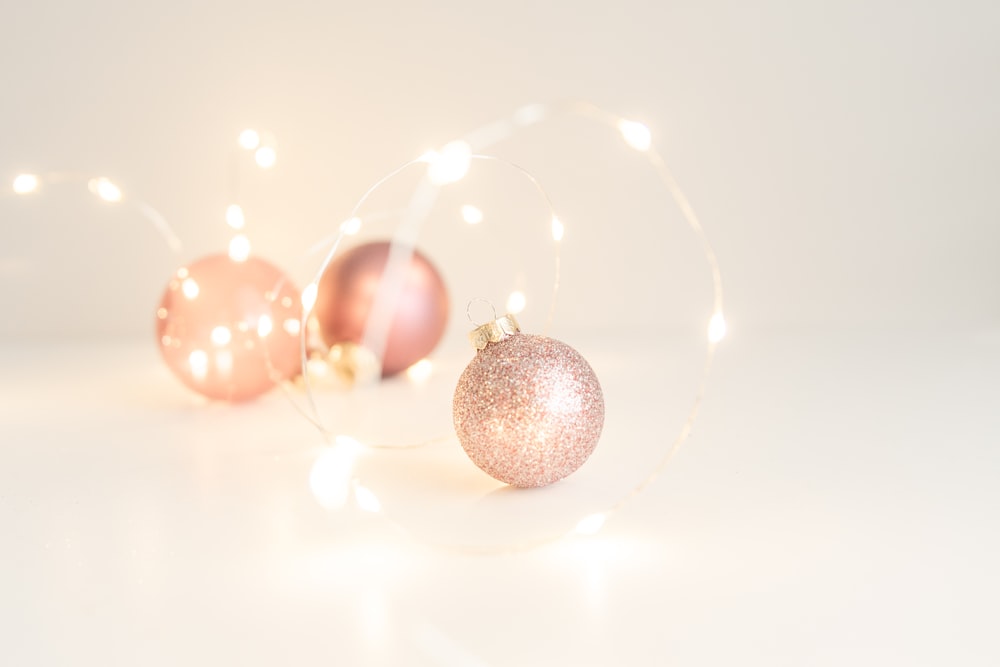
(468, 309)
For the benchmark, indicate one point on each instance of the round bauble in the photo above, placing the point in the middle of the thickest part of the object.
(229, 330)
(528, 409)
(346, 295)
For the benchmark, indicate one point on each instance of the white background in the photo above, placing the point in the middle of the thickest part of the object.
(842, 154)
(837, 502)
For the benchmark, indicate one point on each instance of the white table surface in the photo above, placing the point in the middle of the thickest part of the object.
(836, 504)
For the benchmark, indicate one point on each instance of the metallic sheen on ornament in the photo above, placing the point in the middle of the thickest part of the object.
(528, 409)
(346, 296)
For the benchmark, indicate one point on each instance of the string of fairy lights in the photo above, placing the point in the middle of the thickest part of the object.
(332, 477)
(262, 145)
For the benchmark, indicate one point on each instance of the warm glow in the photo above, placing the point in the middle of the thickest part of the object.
(366, 499)
(351, 227)
(105, 189)
(471, 214)
(292, 326)
(249, 139)
(161, 313)
(221, 336)
(530, 114)
(591, 524)
(317, 367)
(635, 134)
(264, 326)
(450, 164)
(348, 443)
(557, 229)
(239, 248)
(716, 328)
(25, 183)
(309, 296)
(420, 372)
(198, 361)
(516, 302)
(190, 288)
(234, 216)
(329, 478)
(265, 157)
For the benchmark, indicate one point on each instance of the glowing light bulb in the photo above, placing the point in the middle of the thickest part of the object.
(330, 476)
(589, 525)
(249, 139)
(516, 302)
(366, 499)
(198, 361)
(471, 214)
(221, 336)
(105, 189)
(234, 216)
(420, 372)
(25, 184)
(239, 248)
(190, 288)
(635, 134)
(557, 229)
(351, 226)
(265, 157)
(716, 328)
(309, 297)
(264, 326)
(450, 164)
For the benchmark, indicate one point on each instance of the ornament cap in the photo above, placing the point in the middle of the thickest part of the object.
(354, 364)
(494, 332)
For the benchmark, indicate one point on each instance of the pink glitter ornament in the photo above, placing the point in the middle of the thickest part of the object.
(528, 409)
(230, 329)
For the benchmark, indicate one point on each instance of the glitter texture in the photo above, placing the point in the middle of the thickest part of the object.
(528, 410)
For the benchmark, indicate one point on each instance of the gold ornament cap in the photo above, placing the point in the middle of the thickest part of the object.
(494, 332)
(354, 364)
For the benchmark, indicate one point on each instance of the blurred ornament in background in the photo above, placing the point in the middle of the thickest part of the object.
(528, 409)
(229, 329)
(346, 299)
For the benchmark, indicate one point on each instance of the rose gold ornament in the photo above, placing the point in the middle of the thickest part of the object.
(346, 295)
(528, 409)
(230, 330)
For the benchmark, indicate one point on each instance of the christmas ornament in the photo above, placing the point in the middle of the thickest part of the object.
(345, 298)
(230, 329)
(528, 409)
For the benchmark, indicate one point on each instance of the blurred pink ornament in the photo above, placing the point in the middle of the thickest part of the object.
(346, 296)
(229, 329)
